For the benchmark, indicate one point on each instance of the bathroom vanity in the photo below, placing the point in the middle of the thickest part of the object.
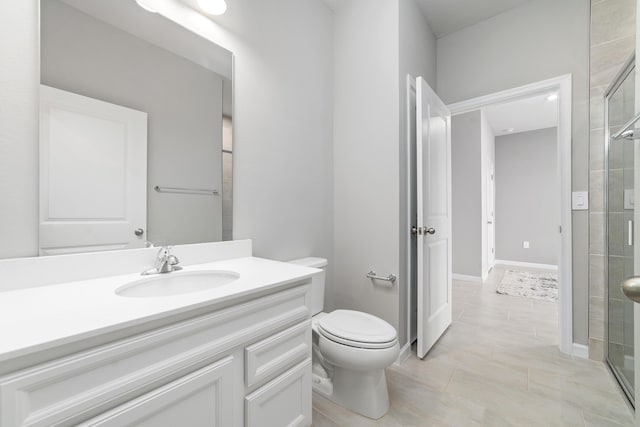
(77, 353)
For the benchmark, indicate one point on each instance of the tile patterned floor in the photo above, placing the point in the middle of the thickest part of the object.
(497, 365)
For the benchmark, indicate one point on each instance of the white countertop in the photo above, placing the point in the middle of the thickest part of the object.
(36, 319)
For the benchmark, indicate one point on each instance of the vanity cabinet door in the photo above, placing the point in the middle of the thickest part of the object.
(203, 398)
(285, 401)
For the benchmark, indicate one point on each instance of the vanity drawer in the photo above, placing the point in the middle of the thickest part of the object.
(64, 391)
(201, 398)
(276, 353)
(285, 401)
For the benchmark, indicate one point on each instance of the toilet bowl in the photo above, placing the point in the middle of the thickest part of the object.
(350, 351)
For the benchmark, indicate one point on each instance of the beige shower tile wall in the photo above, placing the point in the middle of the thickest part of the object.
(612, 41)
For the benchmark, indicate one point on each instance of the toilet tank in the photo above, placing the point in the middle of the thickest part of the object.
(317, 283)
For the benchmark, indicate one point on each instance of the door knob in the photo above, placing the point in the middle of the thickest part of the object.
(631, 288)
(138, 232)
(430, 230)
(414, 230)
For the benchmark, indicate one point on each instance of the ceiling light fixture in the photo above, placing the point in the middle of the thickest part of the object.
(508, 130)
(552, 97)
(146, 7)
(213, 7)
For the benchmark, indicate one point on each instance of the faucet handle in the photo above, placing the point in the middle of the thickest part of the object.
(164, 252)
(173, 260)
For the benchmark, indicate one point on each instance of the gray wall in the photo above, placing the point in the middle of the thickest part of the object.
(536, 41)
(283, 123)
(526, 200)
(472, 150)
(376, 44)
(83, 55)
(466, 197)
(283, 154)
(19, 79)
(366, 157)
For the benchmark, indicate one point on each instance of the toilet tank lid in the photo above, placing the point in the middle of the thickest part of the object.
(310, 262)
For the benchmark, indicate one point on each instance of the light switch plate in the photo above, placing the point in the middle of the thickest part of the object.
(629, 199)
(580, 200)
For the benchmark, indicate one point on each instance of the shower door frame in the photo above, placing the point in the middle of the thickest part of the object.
(623, 74)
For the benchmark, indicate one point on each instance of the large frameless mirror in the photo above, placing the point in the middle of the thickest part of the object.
(135, 130)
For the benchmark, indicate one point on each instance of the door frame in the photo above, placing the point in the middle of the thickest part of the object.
(411, 193)
(561, 85)
(491, 230)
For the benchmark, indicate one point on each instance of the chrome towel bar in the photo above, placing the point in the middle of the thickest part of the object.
(185, 190)
(390, 278)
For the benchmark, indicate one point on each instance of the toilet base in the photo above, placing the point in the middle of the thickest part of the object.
(362, 392)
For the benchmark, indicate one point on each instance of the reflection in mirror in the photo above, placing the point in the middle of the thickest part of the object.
(135, 130)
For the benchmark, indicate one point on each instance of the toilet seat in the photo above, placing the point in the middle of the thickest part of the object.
(357, 329)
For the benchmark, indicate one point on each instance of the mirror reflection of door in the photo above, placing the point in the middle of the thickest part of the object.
(93, 174)
(119, 53)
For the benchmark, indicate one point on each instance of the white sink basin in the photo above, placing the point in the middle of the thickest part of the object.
(177, 283)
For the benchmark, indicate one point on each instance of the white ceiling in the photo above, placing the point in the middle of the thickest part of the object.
(334, 4)
(448, 16)
(522, 115)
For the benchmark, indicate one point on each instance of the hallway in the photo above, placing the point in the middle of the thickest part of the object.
(497, 365)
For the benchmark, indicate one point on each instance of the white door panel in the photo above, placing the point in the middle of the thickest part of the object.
(433, 152)
(93, 167)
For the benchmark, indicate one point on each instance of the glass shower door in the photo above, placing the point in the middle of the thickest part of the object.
(619, 210)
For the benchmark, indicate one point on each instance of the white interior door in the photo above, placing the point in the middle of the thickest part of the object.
(491, 207)
(93, 173)
(433, 155)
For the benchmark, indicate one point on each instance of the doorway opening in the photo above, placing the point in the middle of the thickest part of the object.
(561, 194)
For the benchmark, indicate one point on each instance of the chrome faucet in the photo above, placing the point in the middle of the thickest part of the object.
(165, 262)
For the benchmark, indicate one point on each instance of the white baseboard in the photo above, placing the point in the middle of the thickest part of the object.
(405, 352)
(580, 350)
(527, 264)
(466, 278)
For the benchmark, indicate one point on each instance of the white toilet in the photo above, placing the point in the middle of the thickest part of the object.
(350, 351)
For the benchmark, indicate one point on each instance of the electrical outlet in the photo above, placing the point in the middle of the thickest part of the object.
(525, 244)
